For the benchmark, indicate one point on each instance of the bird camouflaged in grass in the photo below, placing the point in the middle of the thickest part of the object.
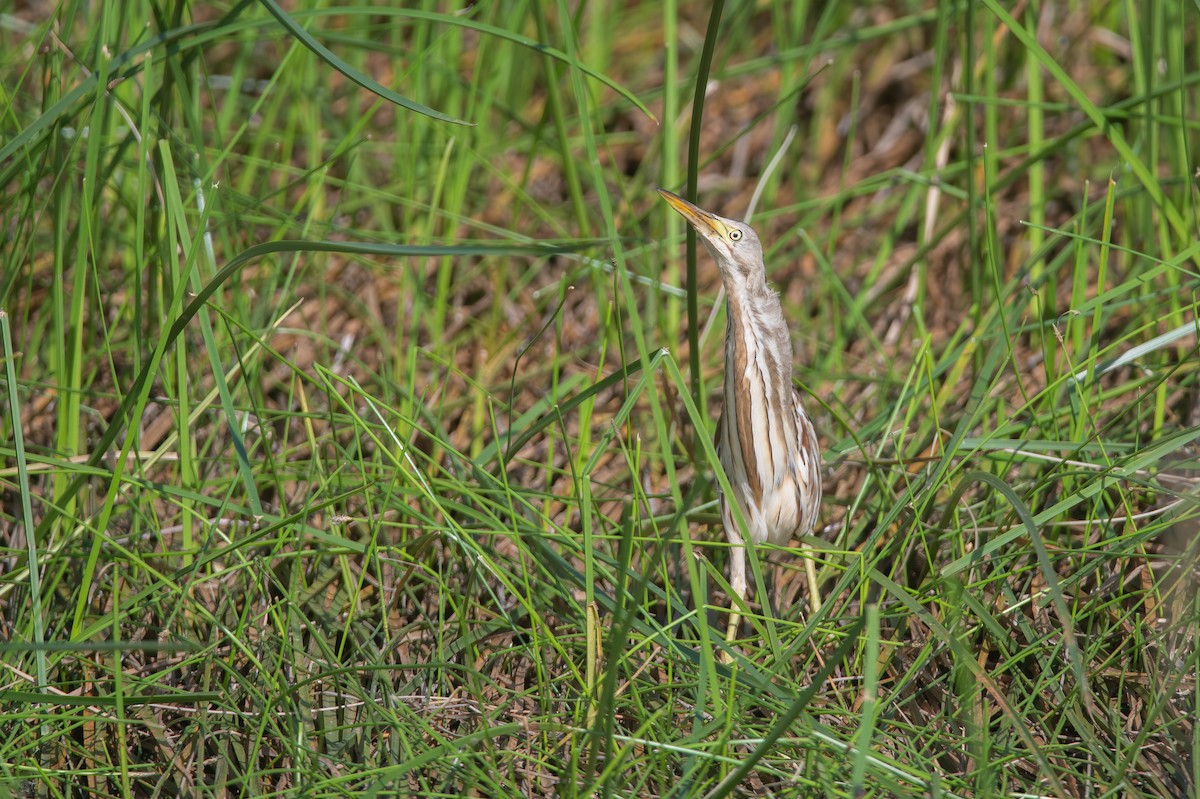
(765, 440)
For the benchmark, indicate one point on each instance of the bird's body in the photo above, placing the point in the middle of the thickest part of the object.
(765, 440)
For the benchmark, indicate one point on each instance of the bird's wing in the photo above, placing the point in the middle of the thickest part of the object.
(808, 459)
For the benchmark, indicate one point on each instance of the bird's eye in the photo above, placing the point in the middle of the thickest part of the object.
(735, 235)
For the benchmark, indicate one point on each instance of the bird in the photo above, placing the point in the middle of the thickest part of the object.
(765, 440)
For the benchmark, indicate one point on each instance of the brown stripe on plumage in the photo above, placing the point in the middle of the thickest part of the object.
(809, 469)
(775, 415)
(735, 338)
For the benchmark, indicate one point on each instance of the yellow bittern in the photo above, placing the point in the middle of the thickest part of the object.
(765, 440)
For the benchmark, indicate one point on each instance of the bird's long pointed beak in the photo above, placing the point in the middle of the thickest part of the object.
(704, 222)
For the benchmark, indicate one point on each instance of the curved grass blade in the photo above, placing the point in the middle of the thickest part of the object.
(368, 83)
(693, 183)
(499, 33)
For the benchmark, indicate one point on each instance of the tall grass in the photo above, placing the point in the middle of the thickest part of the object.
(357, 407)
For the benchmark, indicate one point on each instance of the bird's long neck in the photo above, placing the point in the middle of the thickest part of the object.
(759, 398)
(757, 339)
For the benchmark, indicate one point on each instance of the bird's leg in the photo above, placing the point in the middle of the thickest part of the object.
(810, 569)
(737, 581)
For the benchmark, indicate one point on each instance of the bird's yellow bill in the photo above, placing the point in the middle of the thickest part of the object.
(702, 220)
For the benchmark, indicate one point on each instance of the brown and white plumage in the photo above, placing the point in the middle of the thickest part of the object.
(765, 440)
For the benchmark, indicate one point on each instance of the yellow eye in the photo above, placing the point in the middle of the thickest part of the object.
(735, 235)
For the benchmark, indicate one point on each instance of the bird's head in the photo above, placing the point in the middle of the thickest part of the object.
(734, 245)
